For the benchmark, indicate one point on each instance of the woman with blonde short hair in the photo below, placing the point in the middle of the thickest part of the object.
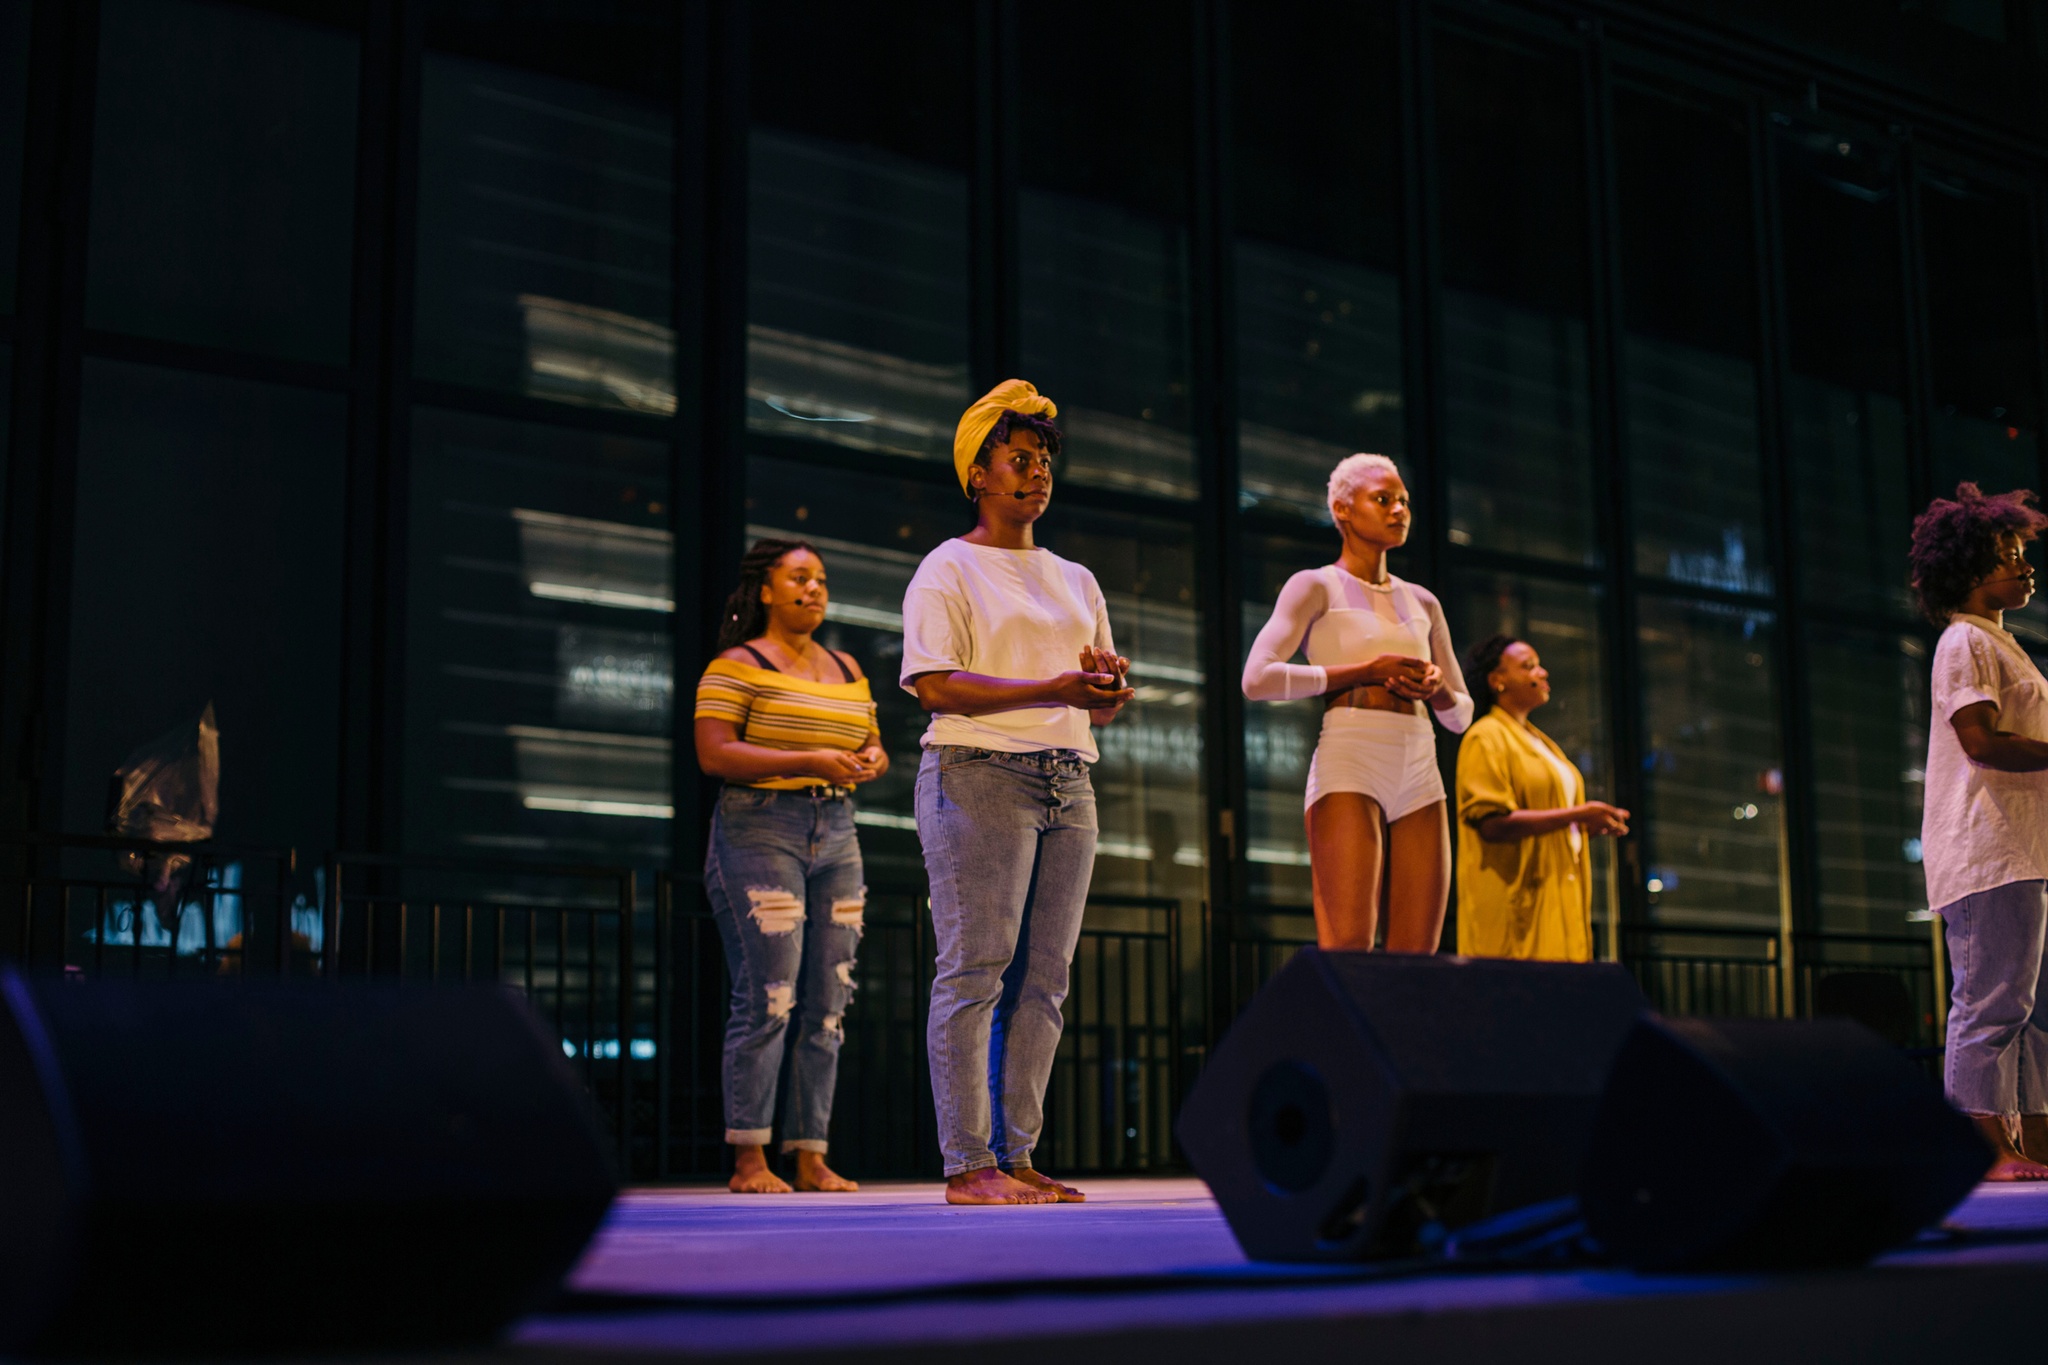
(1379, 655)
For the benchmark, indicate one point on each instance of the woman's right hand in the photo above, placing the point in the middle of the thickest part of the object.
(1597, 817)
(1086, 691)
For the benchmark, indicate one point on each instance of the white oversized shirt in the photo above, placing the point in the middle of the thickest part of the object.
(1003, 614)
(1982, 828)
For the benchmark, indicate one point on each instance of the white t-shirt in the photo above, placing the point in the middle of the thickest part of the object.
(1982, 828)
(1003, 614)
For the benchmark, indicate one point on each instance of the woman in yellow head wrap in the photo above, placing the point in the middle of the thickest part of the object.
(1008, 647)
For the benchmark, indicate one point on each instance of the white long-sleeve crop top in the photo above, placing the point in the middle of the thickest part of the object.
(1333, 617)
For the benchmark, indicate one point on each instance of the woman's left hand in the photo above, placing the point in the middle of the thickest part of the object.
(874, 759)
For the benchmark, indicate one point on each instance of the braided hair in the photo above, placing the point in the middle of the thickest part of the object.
(745, 614)
(1483, 659)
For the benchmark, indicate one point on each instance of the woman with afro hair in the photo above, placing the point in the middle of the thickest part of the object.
(1984, 829)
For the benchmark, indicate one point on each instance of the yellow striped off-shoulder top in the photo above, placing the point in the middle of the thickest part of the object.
(778, 711)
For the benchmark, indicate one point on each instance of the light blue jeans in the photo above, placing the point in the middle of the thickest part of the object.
(784, 878)
(1997, 1056)
(1009, 843)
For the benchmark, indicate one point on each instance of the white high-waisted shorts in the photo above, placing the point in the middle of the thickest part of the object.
(1388, 756)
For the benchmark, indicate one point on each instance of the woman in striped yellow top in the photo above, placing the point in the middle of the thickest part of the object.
(790, 726)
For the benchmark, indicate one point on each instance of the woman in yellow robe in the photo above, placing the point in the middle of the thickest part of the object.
(1525, 878)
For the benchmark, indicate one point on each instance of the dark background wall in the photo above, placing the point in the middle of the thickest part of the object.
(404, 376)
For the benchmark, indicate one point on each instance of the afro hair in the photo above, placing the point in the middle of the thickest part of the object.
(1955, 543)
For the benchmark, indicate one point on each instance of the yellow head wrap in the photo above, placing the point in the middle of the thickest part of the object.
(1012, 395)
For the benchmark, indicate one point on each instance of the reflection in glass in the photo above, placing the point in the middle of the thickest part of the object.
(857, 256)
(1845, 393)
(1317, 164)
(1148, 786)
(1869, 723)
(1714, 825)
(545, 239)
(1980, 246)
(207, 568)
(1517, 426)
(857, 297)
(223, 178)
(14, 37)
(1562, 622)
(541, 694)
(1689, 290)
(1103, 239)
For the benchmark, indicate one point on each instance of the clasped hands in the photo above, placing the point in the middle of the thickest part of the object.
(1097, 687)
(848, 769)
(1408, 678)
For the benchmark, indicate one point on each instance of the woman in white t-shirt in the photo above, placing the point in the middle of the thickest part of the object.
(1008, 647)
(1984, 824)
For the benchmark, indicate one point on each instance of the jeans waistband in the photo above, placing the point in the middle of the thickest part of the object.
(817, 793)
(1035, 758)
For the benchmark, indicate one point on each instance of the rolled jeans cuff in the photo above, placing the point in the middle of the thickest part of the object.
(980, 1163)
(748, 1137)
(804, 1145)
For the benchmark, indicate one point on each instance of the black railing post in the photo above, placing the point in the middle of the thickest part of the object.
(625, 1042)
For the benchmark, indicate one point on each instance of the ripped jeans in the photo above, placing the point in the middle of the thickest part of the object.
(784, 878)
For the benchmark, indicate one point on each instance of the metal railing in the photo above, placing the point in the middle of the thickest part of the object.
(95, 905)
(562, 935)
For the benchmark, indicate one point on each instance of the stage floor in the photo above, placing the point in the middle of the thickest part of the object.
(1149, 1266)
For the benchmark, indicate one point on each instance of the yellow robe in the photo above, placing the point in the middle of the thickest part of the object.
(1531, 898)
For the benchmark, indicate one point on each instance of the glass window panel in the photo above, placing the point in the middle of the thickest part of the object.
(1517, 426)
(540, 688)
(1845, 390)
(857, 259)
(1279, 738)
(1562, 622)
(207, 568)
(1317, 159)
(6, 436)
(1148, 786)
(1713, 830)
(545, 206)
(1689, 294)
(1979, 247)
(873, 532)
(223, 180)
(14, 27)
(1869, 707)
(1104, 207)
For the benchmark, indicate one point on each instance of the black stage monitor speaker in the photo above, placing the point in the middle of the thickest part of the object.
(221, 1167)
(1366, 1103)
(1760, 1144)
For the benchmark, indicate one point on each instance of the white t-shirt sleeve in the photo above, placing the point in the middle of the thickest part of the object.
(937, 636)
(1101, 605)
(1965, 671)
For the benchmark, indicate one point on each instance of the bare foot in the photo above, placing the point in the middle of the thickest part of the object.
(2034, 1137)
(750, 1173)
(2008, 1163)
(990, 1186)
(813, 1175)
(1065, 1194)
